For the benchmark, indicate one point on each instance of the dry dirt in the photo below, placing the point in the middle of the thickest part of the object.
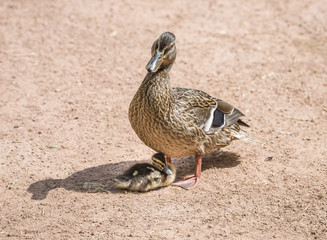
(68, 72)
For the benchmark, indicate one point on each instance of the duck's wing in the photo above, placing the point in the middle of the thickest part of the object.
(210, 114)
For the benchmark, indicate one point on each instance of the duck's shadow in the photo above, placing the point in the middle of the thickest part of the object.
(99, 179)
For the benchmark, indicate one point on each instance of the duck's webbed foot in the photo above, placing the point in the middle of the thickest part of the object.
(187, 182)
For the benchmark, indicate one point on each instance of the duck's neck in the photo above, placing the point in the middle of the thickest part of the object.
(158, 82)
(166, 67)
(158, 91)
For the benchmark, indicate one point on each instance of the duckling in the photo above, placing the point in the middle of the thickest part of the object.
(143, 177)
(181, 121)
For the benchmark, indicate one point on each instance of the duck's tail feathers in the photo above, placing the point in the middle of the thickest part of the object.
(233, 117)
(241, 123)
(242, 135)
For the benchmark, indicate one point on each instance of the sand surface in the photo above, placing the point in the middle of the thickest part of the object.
(69, 70)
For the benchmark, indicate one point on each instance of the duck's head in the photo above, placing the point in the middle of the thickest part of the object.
(163, 53)
(159, 161)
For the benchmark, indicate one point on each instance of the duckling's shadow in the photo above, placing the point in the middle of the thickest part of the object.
(90, 180)
(99, 179)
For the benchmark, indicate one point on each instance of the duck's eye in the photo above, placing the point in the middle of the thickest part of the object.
(168, 49)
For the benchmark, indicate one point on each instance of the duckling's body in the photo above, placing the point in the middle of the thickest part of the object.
(180, 121)
(145, 176)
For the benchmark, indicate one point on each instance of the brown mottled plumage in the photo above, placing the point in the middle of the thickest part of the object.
(180, 121)
(143, 177)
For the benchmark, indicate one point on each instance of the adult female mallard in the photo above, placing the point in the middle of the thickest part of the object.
(180, 121)
(143, 177)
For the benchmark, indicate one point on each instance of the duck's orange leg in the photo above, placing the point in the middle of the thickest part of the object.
(168, 159)
(192, 181)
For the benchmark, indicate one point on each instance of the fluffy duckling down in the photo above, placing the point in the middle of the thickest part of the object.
(143, 177)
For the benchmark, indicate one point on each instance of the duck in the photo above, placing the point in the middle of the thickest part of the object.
(143, 177)
(177, 121)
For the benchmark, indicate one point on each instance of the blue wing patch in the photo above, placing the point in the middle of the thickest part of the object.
(218, 119)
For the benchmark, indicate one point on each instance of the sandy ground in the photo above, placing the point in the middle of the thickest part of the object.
(69, 70)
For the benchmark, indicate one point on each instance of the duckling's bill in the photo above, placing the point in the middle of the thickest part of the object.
(167, 170)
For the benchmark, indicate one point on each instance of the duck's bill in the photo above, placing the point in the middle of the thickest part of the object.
(167, 170)
(154, 63)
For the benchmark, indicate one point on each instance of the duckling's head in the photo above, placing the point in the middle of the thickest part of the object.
(163, 53)
(159, 161)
